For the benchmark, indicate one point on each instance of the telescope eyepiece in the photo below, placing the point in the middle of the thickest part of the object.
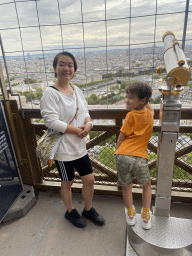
(181, 62)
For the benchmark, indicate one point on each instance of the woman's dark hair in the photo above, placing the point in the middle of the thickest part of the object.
(66, 54)
(141, 89)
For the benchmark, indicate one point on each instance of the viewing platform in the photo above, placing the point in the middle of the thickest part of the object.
(114, 43)
(45, 231)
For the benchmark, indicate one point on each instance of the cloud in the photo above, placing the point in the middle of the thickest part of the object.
(117, 27)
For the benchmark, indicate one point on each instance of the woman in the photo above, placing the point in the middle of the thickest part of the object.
(61, 104)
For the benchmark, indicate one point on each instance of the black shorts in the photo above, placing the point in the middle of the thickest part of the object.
(67, 169)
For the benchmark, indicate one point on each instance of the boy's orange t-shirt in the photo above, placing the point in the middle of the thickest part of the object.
(137, 127)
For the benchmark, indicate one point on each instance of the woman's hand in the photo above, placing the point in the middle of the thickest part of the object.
(86, 129)
(73, 130)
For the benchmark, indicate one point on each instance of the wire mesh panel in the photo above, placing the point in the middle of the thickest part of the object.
(103, 161)
(109, 39)
(182, 173)
(114, 42)
(102, 155)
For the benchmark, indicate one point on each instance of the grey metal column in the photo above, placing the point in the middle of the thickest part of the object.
(185, 24)
(170, 119)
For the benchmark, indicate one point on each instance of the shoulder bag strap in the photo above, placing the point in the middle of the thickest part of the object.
(54, 87)
(77, 109)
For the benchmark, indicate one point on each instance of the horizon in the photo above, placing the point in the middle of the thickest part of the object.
(50, 52)
(74, 25)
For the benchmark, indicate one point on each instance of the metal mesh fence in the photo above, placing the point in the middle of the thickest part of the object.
(182, 173)
(113, 42)
(104, 163)
(121, 41)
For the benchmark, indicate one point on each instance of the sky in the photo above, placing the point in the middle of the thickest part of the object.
(93, 24)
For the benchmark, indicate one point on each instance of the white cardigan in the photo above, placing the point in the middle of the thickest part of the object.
(58, 109)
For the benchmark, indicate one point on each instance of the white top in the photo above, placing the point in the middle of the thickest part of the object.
(58, 109)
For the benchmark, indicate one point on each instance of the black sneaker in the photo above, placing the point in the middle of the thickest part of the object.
(94, 216)
(75, 219)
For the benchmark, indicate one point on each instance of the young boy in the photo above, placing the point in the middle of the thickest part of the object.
(131, 150)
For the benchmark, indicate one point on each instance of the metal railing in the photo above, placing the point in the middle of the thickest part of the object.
(101, 148)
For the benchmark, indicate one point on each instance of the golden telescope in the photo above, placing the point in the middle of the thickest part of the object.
(178, 72)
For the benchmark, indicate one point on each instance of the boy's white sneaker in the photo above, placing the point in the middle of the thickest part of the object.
(146, 219)
(130, 217)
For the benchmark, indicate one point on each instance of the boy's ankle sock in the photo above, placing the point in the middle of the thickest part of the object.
(145, 213)
(131, 211)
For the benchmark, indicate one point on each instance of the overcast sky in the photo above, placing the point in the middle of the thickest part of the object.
(114, 31)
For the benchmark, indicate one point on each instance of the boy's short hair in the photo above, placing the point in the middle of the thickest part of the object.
(141, 89)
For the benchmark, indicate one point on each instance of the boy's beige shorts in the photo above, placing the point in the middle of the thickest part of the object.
(130, 168)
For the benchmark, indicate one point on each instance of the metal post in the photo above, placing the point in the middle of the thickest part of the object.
(2, 84)
(5, 63)
(185, 23)
(170, 119)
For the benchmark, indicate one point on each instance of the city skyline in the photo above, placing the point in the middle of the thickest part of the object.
(76, 25)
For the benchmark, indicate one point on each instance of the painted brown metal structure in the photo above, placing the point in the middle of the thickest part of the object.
(24, 133)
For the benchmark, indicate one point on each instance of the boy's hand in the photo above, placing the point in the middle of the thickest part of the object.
(121, 138)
